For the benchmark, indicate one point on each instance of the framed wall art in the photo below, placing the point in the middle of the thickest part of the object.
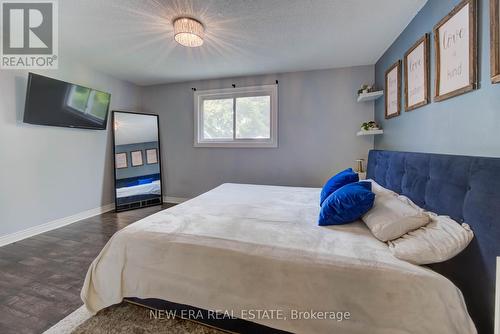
(121, 160)
(455, 38)
(416, 74)
(136, 158)
(393, 90)
(494, 40)
(151, 156)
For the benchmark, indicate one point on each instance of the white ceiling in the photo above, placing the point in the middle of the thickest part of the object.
(133, 39)
(135, 128)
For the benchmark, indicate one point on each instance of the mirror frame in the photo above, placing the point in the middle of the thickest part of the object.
(114, 159)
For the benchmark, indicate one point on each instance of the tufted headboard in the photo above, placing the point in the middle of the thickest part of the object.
(466, 189)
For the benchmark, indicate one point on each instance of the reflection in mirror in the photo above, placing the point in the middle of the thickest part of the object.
(137, 160)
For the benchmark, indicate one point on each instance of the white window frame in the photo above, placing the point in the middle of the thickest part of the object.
(265, 90)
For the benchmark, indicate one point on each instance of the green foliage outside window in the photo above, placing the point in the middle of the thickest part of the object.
(100, 105)
(253, 118)
(218, 119)
(80, 97)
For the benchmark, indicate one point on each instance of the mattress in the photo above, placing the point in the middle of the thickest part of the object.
(241, 248)
(153, 188)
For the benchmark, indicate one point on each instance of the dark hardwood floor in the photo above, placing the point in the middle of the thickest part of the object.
(41, 277)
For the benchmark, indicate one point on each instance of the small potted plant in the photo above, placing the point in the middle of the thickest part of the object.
(369, 126)
(366, 89)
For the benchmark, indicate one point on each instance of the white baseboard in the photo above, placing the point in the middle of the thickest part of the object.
(175, 200)
(32, 231)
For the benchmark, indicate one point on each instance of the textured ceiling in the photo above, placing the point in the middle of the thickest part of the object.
(133, 39)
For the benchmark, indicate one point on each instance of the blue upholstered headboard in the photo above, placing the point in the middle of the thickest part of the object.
(466, 189)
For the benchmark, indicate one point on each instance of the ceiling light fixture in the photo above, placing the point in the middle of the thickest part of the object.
(188, 32)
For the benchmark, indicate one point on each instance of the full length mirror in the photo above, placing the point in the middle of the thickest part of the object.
(137, 160)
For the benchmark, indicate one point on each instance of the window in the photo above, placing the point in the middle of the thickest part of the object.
(236, 117)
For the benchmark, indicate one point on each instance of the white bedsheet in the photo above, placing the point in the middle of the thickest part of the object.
(152, 188)
(251, 247)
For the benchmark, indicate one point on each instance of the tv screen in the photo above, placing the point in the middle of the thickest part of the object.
(58, 103)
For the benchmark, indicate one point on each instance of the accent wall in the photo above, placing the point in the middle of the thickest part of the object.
(467, 124)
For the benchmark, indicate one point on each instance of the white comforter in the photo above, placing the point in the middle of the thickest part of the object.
(250, 247)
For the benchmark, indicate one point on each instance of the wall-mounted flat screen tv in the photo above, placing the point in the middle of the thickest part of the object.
(58, 103)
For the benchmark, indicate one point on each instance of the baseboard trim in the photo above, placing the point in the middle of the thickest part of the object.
(35, 230)
(175, 200)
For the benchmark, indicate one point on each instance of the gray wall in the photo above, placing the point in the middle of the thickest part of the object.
(47, 172)
(132, 171)
(318, 120)
(466, 124)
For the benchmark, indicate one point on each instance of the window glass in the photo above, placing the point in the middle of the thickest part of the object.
(253, 117)
(218, 119)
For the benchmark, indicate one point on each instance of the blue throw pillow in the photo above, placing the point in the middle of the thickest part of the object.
(131, 183)
(336, 182)
(347, 204)
(145, 181)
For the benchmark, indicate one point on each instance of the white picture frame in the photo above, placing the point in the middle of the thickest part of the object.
(455, 38)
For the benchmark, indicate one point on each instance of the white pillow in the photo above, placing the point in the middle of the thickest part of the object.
(438, 241)
(378, 190)
(391, 217)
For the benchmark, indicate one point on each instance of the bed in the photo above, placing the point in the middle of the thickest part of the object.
(466, 188)
(138, 191)
(151, 188)
(240, 247)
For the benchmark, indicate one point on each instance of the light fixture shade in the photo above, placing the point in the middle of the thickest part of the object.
(188, 32)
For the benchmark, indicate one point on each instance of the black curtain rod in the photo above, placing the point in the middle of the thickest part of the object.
(233, 85)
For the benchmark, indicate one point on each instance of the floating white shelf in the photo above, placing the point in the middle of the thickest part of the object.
(369, 133)
(363, 97)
